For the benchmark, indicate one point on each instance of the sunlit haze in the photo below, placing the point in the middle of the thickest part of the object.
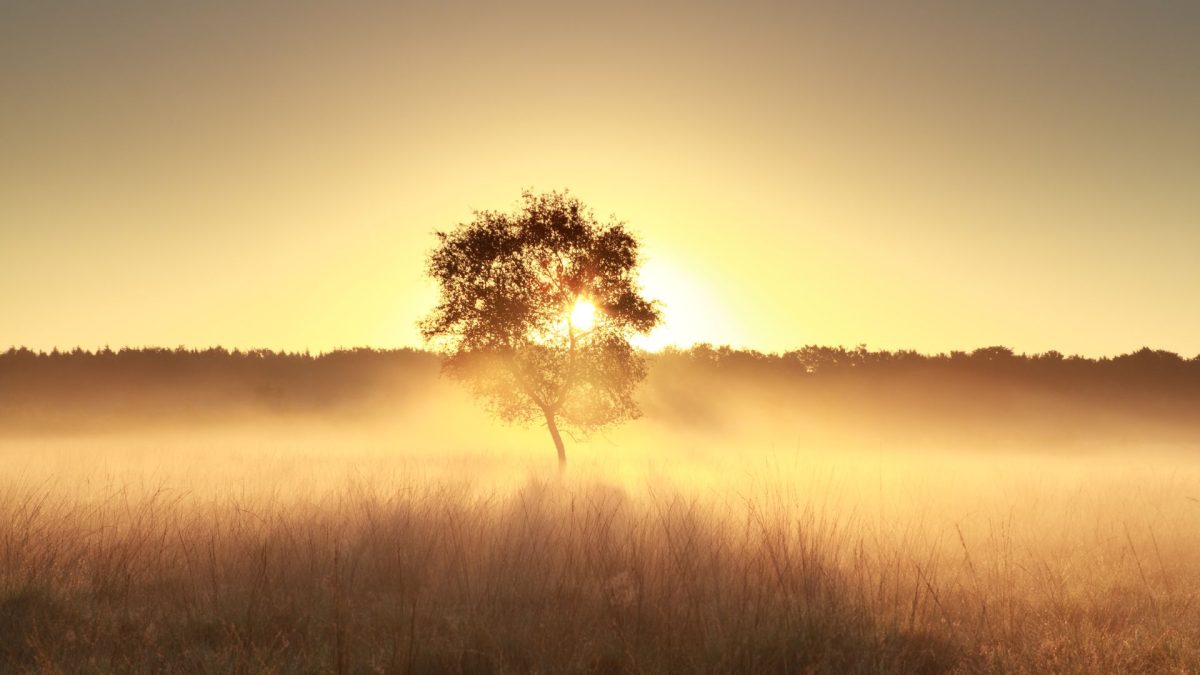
(599, 337)
(266, 175)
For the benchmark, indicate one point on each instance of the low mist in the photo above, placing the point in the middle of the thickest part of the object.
(285, 421)
(980, 512)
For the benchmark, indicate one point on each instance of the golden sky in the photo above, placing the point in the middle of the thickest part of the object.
(934, 175)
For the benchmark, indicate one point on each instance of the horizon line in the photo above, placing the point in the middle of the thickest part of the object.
(857, 348)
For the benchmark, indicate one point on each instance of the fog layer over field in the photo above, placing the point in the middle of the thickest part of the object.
(751, 521)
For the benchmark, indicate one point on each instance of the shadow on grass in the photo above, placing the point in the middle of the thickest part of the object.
(550, 578)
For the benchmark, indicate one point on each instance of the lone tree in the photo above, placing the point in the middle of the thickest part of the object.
(536, 310)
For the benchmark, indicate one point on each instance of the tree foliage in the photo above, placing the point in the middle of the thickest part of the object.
(508, 284)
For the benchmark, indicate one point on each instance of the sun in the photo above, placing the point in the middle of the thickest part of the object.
(583, 314)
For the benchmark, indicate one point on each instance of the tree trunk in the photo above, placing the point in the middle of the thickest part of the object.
(558, 442)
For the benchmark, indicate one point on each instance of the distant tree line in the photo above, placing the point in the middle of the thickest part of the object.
(1151, 369)
(991, 391)
(1145, 363)
(989, 396)
(63, 390)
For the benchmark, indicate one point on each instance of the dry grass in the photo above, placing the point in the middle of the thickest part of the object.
(835, 570)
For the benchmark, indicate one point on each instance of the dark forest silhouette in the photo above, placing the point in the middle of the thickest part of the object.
(990, 393)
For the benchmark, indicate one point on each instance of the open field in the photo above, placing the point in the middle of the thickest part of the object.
(208, 512)
(322, 551)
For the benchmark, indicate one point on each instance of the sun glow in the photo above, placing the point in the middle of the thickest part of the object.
(583, 315)
(691, 307)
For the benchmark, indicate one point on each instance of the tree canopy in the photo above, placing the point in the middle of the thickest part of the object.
(536, 310)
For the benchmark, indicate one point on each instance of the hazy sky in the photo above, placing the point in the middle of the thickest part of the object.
(908, 175)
